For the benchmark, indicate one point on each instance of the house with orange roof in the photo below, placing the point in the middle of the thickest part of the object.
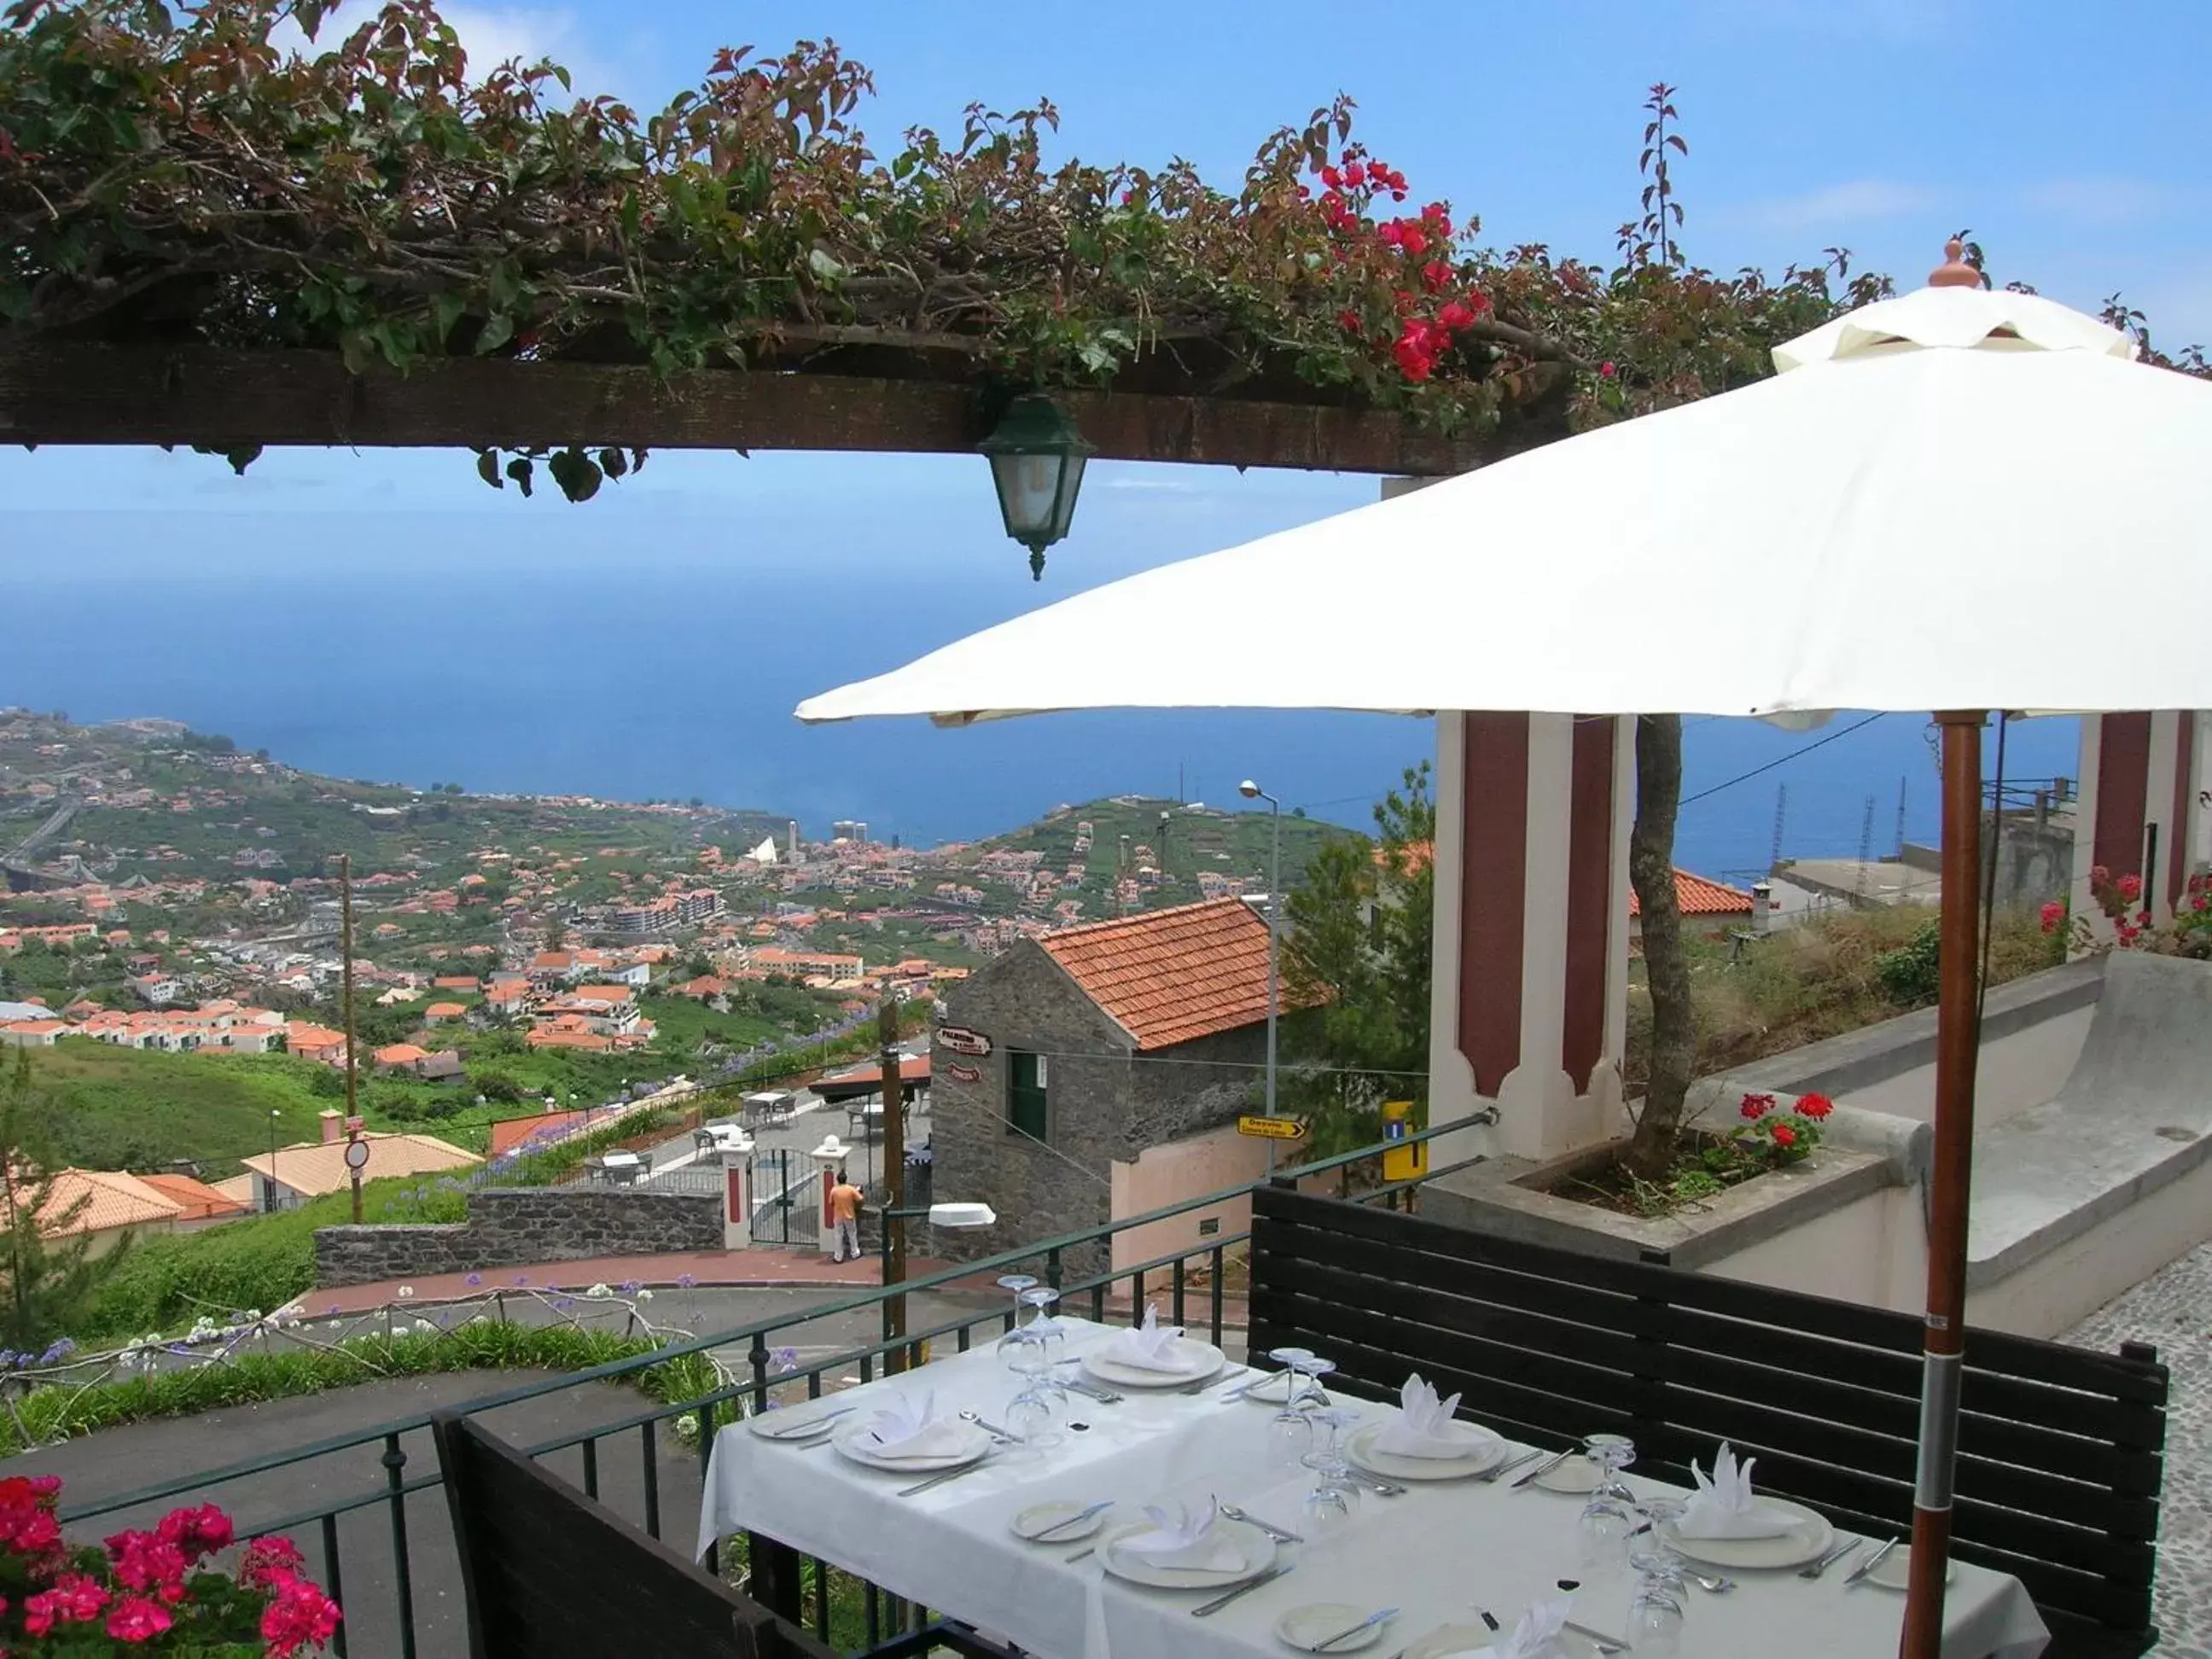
(444, 1013)
(1097, 1072)
(32, 1033)
(104, 1207)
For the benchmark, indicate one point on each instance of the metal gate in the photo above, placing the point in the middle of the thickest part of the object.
(785, 1200)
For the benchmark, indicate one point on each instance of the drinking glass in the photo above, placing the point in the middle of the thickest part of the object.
(1290, 1431)
(1655, 1616)
(1328, 1508)
(1034, 1419)
(1612, 1514)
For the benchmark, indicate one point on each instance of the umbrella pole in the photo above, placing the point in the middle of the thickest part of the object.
(1958, 1038)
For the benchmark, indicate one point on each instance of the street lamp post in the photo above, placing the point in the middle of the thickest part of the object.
(1252, 790)
(274, 1115)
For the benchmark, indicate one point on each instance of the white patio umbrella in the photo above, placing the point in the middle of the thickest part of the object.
(1937, 506)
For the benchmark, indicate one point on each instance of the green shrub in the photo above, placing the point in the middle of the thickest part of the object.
(61, 1411)
(1910, 972)
(168, 1281)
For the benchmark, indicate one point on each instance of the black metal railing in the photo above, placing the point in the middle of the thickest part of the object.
(755, 1370)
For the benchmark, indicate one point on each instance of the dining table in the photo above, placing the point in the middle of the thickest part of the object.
(1450, 1555)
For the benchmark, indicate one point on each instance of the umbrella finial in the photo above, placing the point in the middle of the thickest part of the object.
(1954, 271)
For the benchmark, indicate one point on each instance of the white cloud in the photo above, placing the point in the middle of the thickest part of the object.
(1857, 201)
(490, 34)
(2091, 199)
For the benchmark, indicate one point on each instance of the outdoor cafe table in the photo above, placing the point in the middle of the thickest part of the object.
(1438, 1552)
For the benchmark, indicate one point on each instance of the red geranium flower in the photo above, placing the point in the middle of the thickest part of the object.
(137, 1619)
(1784, 1135)
(1755, 1107)
(1814, 1106)
(2050, 915)
(2129, 888)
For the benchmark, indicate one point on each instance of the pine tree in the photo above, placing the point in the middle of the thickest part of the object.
(50, 1273)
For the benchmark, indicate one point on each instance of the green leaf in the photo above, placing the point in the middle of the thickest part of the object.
(445, 310)
(498, 330)
(519, 469)
(488, 468)
(826, 270)
(613, 463)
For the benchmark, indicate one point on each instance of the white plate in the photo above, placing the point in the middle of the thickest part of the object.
(1053, 1518)
(796, 1427)
(974, 1443)
(1897, 1566)
(1202, 1359)
(1257, 1548)
(1453, 1639)
(1485, 1450)
(1809, 1539)
(1576, 1477)
(1301, 1627)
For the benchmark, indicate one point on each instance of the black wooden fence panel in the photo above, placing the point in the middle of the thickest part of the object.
(2060, 1449)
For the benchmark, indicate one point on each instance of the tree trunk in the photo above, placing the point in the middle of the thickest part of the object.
(1666, 968)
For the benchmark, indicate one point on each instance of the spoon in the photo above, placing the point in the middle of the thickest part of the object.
(988, 1428)
(1717, 1586)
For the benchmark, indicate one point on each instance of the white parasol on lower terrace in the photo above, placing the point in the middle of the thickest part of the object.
(1942, 503)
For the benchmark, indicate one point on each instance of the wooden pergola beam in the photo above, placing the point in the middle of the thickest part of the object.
(68, 392)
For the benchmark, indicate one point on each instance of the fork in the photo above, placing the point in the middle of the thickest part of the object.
(1205, 1382)
(1375, 1484)
(1830, 1558)
(1277, 1533)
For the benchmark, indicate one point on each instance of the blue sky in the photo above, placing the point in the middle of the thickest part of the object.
(2070, 142)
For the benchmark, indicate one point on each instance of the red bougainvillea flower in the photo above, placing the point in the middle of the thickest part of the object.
(1784, 1135)
(2050, 915)
(1413, 240)
(2129, 888)
(1349, 321)
(138, 1620)
(1331, 177)
(1391, 232)
(1454, 315)
(1815, 1107)
(1755, 1107)
(1435, 275)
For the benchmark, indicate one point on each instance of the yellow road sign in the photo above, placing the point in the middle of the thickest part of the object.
(1272, 1128)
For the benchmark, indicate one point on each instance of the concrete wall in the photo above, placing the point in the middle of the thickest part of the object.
(520, 1226)
(1161, 1175)
(1873, 1250)
(2020, 1069)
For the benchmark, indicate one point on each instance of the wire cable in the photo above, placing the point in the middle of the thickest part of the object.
(1783, 760)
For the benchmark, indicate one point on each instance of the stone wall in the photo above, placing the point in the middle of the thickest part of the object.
(1102, 1104)
(520, 1226)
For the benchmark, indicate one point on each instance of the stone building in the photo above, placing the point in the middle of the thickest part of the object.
(1097, 1073)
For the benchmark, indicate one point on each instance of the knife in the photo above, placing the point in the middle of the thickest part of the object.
(1544, 1468)
(1075, 1520)
(800, 1430)
(1204, 1609)
(1351, 1630)
(1869, 1564)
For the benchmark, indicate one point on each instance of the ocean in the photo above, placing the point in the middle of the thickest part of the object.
(387, 617)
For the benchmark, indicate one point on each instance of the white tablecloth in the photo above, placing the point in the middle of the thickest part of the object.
(1437, 1552)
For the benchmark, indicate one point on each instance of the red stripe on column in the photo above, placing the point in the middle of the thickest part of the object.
(1493, 876)
(2177, 827)
(1590, 899)
(2123, 794)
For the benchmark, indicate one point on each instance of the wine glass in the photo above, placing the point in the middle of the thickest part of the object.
(1016, 1349)
(1612, 1515)
(1290, 1431)
(1051, 1337)
(1328, 1508)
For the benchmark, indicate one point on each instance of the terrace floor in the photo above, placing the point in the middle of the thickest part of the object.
(2172, 1308)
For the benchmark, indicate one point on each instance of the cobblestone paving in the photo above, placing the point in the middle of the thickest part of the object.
(2172, 1308)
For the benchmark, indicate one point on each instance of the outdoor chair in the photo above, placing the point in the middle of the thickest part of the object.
(549, 1574)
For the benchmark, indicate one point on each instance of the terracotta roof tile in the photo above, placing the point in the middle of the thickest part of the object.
(1696, 897)
(1169, 976)
(196, 1199)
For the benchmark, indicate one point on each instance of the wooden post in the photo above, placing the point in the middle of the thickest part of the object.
(1958, 1036)
(353, 1062)
(894, 1225)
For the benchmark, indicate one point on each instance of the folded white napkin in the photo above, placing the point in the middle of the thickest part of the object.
(1725, 1506)
(1151, 1347)
(1425, 1427)
(907, 1427)
(1183, 1536)
(1536, 1636)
